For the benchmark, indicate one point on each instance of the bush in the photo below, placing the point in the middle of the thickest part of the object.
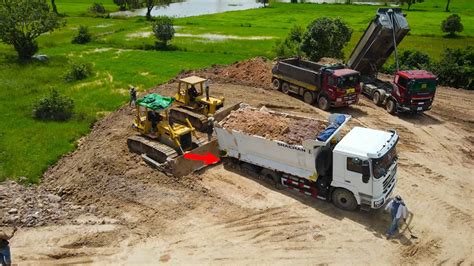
(83, 36)
(163, 29)
(456, 68)
(78, 72)
(54, 107)
(98, 8)
(326, 37)
(452, 24)
(410, 59)
(290, 46)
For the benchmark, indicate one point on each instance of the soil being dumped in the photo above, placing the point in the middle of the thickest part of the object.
(288, 129)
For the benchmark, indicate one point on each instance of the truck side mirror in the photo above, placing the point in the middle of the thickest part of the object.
(365, 172)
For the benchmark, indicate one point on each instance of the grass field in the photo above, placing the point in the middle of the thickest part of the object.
(28, 146)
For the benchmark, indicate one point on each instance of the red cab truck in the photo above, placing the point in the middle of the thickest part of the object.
(327, 85)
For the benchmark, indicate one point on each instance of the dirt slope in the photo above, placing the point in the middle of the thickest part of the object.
(224, 216)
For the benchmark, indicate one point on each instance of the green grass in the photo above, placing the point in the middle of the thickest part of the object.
(28, 147)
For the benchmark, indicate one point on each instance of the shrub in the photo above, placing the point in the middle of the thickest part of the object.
(326, 37)
(163, 29)
(54, 107)
(79, 71)
(83, 36)
(452, 24)
(290, 46)
(456, 68)
(98, 8)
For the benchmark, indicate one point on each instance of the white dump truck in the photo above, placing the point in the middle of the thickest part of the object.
(359, 169)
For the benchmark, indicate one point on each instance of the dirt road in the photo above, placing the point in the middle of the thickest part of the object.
(224, 216)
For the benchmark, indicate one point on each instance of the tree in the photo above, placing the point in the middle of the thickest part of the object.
(452, 25)
(456, 68)
(55, 9)
(411, 2)
(291, 45)
(150, 4)
(121, 3)
(325, 37)
(22, 21)
(447, 5)
(163, 29)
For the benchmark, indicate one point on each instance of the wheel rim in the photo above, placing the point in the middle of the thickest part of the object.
(343, 201)
(276, 84)
(308, 98)
(285, 88)
(390, 106)
(376, 97)
(323, 103)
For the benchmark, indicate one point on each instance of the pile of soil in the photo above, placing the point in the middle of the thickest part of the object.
(255, 72)
(272, 126)
(36, 206)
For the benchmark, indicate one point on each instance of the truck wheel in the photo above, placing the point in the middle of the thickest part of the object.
(272, 177)
(308, 97)
(276, 84)
(376, 98)
(285, 87)
(344, 199)
(391, 107)
(323, 102)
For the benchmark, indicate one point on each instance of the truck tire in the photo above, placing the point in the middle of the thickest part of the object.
(324, 163)
(273, 177)
(276, 84)
(308, 97)
(376, 98)
(323, 102)
(391, 107)
(344, 199)
(285, 87)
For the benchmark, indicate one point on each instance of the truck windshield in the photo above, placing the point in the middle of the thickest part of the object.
(348, 81)
(423, 85)
(381, 165)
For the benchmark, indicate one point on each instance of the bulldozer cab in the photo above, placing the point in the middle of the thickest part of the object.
(152, 120)
(189, 89)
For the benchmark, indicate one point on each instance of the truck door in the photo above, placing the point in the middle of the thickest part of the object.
(358, 174)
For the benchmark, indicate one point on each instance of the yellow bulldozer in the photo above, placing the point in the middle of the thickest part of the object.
(160, 139)
(194, 102)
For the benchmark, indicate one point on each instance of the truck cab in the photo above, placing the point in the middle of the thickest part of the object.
(365, 165)
(414, 91)
(342, 86)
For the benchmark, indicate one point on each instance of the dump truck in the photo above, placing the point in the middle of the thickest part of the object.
(327, 85)
(358, 169)
(411, 91)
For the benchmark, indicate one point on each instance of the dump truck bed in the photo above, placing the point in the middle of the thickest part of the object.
(377, 42)
(297, 160)
(300, 70)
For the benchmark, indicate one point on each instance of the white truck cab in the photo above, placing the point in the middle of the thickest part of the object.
(365, 163)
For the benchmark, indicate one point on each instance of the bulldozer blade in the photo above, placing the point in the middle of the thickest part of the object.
(225, 111)
(182, 166)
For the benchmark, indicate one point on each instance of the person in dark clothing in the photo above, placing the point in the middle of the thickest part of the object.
(154, 118)
(207, 90)
(192, 92)
(5, 256)
(133, 97)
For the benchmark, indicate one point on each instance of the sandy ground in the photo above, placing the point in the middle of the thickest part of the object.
(224, 216)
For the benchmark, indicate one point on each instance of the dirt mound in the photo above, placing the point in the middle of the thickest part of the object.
(269, 125)
(255, 72)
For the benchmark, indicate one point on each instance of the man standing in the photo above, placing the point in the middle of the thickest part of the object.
(210, 127)
(398, 210)
(5, 256)
(133, 96)
(207, 89)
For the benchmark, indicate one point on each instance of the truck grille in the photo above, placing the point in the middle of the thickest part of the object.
(388, 181)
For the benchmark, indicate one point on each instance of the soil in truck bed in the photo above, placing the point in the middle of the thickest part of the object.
(288, 129)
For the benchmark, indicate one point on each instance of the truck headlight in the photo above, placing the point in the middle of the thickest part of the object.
(379, 202)
(339, 99)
